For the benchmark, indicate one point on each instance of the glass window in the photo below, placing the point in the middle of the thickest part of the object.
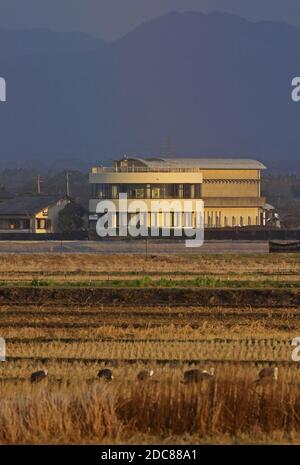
(198, 191)
(155, 193)
(41, 224)
(139, 193)
(187, 191)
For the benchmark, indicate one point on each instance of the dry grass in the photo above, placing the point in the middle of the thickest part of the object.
(230, 406)
(225, 350)
(78, 264)
(269, 329)
(73, 406)
(149, 322)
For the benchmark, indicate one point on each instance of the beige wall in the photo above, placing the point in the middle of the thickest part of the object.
(231, 174)
(231, 217)
(50, 214)
(230, 189)
(231, 183)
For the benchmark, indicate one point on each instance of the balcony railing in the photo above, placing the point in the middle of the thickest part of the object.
(136, 169)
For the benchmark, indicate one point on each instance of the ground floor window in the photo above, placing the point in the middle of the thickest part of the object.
(42, 223)
(14, 224)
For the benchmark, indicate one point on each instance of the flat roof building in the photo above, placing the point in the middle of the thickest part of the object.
(230, 188)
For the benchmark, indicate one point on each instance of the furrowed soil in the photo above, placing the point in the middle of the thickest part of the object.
(75, 314)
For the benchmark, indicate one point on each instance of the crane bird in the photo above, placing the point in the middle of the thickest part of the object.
(267, 375)
(38, 376)
(144, 375)
(106, 374)
(194, 376)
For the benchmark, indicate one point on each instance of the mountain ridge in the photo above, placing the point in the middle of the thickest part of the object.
(214, 84)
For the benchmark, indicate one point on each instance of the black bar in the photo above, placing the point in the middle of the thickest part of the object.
(188, 454)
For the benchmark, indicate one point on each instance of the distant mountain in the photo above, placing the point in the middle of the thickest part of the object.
(15, 43)
(213, 85)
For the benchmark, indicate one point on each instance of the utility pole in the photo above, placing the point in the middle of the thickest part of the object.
(68, 184)
(39, 182)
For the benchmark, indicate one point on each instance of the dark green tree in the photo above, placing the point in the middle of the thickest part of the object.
(71, 218)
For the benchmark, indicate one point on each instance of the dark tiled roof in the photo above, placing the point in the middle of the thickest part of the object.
(4, 195)
(27, 205)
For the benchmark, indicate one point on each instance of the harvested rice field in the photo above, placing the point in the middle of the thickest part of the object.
(73, 315)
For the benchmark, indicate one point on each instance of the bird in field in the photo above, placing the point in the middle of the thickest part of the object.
(38, 376)
(194, 376)
(267, 375)
(105, 374)
(144, 375)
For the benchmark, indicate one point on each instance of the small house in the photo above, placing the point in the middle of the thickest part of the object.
(31, 214)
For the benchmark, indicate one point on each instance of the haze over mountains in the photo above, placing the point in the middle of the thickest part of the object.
(208, 84)
(14, 43)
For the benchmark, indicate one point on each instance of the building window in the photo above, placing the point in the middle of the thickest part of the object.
(197, 191)
(155, 193)
(241, 221)
(249, 220)
(187, 191)
(41, 224)
(188, 219)
(154, 219)
(167, 220)
(177, 219)
(139, 193)
(233, 221)
(225, 222)
(16, 224)
(218, 220)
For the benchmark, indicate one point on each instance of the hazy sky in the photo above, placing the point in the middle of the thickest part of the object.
(113, 18)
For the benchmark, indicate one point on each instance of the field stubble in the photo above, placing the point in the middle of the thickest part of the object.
(74, 342)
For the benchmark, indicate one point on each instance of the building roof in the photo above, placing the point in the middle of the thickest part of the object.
(5, 195)
(27, 205)
(202, 163)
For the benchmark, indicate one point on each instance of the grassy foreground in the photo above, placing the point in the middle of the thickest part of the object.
(163, 411)
(74, 341)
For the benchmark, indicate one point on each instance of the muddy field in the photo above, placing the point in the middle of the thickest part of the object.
(50, 322)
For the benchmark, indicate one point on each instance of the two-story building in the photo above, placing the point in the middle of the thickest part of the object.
(230, 188)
